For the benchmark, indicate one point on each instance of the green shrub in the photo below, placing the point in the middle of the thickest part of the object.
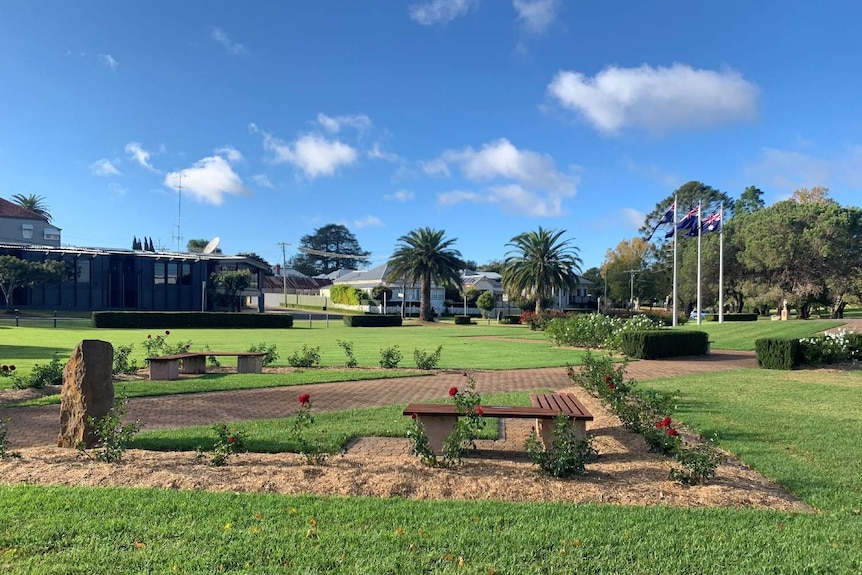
(390, 357)
(41, 375)
(305, 357)
(186, 319)
(345, 294)
(427, 360)
(510, 320)
(568, 454)
(347, 346)
(270, 351)
(372, 320)
(122, 361)
(112, 437)
(777, 353)
(660, 344)
(463, 320)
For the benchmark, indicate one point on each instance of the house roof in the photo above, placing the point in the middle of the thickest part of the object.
(12, 210)
(373, 275)
(274, 283)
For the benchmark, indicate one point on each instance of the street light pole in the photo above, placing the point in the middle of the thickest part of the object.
(283, 272)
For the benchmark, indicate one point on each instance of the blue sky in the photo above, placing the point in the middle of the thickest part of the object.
(486, 118)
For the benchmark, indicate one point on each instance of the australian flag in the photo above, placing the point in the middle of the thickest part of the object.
(687, 223)
(711, 224)
(667, 218)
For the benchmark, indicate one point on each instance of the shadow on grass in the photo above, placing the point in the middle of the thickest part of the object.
(33, 352)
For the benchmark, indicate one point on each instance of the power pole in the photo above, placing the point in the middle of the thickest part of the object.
(632, 274)
(283, 271)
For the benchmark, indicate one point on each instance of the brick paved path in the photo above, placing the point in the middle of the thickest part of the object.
(34, 426)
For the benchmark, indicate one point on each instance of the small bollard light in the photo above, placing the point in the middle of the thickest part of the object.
(17, 317)
(55, 318)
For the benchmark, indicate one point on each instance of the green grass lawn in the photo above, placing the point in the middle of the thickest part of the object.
(740, 335)
(230, 381)
(800, 428)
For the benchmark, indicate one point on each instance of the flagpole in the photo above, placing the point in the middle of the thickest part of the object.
(674, 321)
(699, 224)
(721, 265)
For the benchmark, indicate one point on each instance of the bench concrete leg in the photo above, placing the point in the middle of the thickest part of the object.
(165, 370)
(251, 364)
(545, 430)
(437, 428)
(196, 364)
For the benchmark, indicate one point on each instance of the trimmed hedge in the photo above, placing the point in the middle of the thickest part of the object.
(510, 319)
(655, 344)
(463, 320)
(189, 319)
(778, 353)
(734, 317)
(372, 320)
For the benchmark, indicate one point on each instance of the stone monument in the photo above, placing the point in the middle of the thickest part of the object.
(88, 391)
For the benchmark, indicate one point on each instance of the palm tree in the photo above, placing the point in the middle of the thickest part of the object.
(424, 256)
(539, 264)
(33, 203)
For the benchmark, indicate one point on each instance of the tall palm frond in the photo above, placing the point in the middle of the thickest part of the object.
(423, 256)
(33, 203)
(539, 263)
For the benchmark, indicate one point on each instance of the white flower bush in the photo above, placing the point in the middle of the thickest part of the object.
(596, 331)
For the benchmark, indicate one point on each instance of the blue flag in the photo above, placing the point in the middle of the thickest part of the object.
(711, 224)
(686, 223)
(667, 218)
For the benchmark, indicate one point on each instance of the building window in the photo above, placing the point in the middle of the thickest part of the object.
(159, 273)
(52, 234)
(82, 271)
(172, 273)
(27, 231)
(186, 277)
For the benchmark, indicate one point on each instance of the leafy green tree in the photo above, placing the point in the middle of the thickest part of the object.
(486, 302)
(688, 195)
(324, 248)
(33, 203)
(539, 264)
(231, 283)
(750, 201)
(258, 258)
(492, 266)
(16, 272)
(425, 255)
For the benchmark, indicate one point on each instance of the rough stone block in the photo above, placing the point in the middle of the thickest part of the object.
(88, 391)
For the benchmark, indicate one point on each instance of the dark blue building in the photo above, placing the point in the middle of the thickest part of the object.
(117, 279)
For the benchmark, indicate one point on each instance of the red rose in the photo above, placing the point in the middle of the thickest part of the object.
(479, 411)
(11, 368)
(611, 386)
(188, 345)
(231, 439)
(671, 431)
(607, 379)
(149, 336)
(167, 332)
(463, 374)
(453, 391)
(664, 423)
(5, 368)
(304, 399)
(413, 416)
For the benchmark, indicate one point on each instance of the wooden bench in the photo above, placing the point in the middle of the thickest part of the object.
(169, 367)
(438, 419)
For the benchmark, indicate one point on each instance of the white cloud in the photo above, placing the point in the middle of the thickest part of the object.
(375, 153)
(359, 121)
(633, 217)
(140, 155)
(789, 170)
(400, 196)
(314, 155)
(658, 99)
(523, 181)
(367, 222)
(262, 180)
(230, 153)
(440, 11)
(108, 61)
(207, 180)
(117, 190)
(536, 15)
(104, 167)
(232, 47)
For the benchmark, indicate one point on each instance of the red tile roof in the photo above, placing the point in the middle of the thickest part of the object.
(10, 210)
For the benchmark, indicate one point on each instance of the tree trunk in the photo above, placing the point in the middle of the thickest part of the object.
(804, 311)
(425, 300)
(838, 308)
(539, 308)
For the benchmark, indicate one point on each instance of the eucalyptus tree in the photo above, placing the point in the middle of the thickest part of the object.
(540, 263)
(424, 256)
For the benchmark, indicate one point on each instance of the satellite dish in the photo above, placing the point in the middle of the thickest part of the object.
(212, 245)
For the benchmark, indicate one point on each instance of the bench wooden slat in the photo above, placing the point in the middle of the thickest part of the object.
(561, 403)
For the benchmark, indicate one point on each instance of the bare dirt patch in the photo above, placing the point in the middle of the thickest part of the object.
(625, 473)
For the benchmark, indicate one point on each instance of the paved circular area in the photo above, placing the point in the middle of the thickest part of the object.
(35, 426)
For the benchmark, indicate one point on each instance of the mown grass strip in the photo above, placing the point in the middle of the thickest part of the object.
(112, 530)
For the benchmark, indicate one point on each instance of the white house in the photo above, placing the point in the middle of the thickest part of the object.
(367, 280)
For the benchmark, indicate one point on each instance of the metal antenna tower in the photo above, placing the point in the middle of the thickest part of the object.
(179, 235)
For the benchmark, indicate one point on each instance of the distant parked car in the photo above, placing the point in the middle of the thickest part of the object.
(703, 314)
